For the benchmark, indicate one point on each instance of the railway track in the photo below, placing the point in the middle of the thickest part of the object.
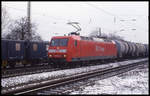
(6, 73)
(26, 71)
(56, 83)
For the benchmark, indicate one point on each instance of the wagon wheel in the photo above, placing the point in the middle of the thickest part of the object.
(12, 64)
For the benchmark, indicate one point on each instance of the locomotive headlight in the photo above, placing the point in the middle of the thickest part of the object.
(63, 50)
(50, 55)
(65, 55)
(51, 50)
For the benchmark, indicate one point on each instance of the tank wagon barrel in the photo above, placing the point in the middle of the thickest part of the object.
(130, 49)
(123, 48)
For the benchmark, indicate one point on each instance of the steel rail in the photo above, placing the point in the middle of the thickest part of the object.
(6, 73)
(74, 78)
(27, 71)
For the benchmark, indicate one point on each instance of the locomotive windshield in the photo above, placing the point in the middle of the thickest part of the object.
(59, 42)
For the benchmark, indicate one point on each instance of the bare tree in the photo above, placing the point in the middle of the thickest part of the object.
(114, 36)
(20, 31)
(5, 21)
(95, 33)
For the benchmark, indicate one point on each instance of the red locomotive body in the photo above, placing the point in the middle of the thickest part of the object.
(78, 48)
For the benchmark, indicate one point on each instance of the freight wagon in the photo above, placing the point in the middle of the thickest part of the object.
(23, 52)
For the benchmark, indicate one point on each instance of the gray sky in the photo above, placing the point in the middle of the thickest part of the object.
(51, 17)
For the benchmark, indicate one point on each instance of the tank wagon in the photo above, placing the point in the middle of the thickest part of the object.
(129, 49)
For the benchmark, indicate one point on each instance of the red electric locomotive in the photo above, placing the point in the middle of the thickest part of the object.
(76, 48)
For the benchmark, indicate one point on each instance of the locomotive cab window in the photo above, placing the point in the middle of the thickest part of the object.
(59, 42)
(75, 42)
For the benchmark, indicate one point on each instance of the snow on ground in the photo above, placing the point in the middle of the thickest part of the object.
(13, 81)
(19, 80)
(132, 82)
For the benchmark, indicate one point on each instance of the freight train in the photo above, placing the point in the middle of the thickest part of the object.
(68, 50)
(74, 49)
(15, 52)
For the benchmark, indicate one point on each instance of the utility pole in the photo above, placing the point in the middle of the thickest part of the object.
(28, 17)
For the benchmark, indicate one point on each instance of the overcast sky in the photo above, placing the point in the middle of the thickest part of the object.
(52, 17)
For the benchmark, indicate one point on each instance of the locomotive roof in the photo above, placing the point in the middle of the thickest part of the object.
(85, 38)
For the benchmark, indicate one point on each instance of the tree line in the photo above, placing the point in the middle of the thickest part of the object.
(98, 34)
(18, 29)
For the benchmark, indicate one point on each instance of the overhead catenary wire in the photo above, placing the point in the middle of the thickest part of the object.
(39, 14)
(110, 14)
(119, 17)
(63, 19)
(35, 13)
(100, 9)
